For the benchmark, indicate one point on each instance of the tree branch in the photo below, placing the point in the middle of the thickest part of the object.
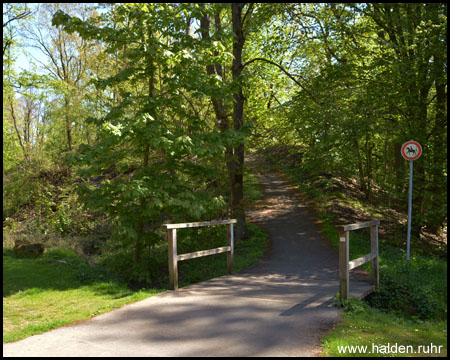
(289, 75)
(249, 10)
(18, 17)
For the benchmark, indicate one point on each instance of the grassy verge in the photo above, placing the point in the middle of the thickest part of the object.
(374, 333)
(410, 306)
(56, 289)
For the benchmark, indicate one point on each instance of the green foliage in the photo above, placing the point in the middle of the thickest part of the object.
(146, 149)
(362, 95)
(149, 272)
(17, 192)
(155, 156)
(416, 289)
(352, 305)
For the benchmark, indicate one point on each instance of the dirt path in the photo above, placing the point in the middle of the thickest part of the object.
(281, 306)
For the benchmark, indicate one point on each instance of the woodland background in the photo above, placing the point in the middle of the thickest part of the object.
(134, 115)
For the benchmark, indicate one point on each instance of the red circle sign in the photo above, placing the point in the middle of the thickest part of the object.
(411, 150)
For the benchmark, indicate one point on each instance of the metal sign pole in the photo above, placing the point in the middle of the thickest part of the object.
(411, 150)
(408, 240)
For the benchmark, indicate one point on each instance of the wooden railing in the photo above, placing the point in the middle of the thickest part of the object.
(174, 257)
(345, 265)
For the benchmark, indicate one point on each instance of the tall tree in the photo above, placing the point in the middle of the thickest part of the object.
(158, 149)
(234, 154)
(13, 15)
(68, 60)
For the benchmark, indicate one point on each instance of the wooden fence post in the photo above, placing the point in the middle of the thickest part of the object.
(230, 243)
(343, 264)
(173, 259)
(374, 251)
(173, 254)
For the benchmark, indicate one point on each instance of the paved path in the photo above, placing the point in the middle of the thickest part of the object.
(281, 306)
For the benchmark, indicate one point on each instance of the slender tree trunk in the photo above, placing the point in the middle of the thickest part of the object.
(68, 124)
(25, 153)
(399, 166)
(439, 144)
(218, 105)
(237, 186)
(146, 156)
(362, 182)
(369, 154)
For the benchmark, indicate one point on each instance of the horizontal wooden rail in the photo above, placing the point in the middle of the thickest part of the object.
(172, 247)
(359, 261)
(197, 254)
(358, 226)
(199, 224)
(345, 265)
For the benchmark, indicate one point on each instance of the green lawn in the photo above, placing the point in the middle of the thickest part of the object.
(57, 289)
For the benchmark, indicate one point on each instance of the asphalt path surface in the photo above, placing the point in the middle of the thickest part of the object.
(281, 306)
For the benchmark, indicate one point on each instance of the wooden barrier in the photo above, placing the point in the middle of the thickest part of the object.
(345, 265)
(174, 257)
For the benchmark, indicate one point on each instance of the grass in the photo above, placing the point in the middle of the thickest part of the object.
(57, 289)
(359, 240)
(252, 191)
(366, 326)
(408, 291)
(60, 287)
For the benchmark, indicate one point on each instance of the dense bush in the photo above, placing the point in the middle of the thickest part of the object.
(414, 289)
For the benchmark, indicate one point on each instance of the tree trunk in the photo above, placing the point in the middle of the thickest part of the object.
(399, 166)
(13, 115)
(237, 186)
(439, 144)
(362, 182)
(218, 105)
(145, 158)
(68, 124)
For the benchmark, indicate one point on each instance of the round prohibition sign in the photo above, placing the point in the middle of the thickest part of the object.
(411, 150)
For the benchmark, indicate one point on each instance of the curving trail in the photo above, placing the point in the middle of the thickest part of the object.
(280, 306)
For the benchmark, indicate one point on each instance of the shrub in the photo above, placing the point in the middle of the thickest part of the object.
(414, 289)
